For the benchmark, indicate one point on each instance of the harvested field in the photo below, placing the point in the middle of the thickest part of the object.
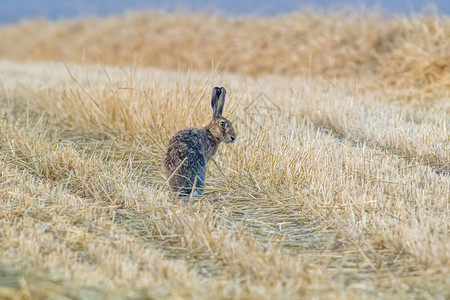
(338, 185)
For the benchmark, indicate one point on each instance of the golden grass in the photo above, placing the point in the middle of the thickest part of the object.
(409, 54)
(333, 189)
(336, 194)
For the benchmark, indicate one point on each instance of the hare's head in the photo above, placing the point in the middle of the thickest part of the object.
(220, 128)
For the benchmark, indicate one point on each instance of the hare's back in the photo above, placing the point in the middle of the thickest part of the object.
(186, 145)
(191, 138)
(185, 159)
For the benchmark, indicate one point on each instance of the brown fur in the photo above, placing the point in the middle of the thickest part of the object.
(190, 149)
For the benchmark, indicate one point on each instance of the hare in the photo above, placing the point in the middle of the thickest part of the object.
(190, 149)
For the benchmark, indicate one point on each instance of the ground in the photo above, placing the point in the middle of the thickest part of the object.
(337, 186)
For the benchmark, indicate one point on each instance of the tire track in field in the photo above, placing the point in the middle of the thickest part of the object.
(421, 136)
(432, 160)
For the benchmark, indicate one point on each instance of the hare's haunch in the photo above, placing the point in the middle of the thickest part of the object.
(190, 149)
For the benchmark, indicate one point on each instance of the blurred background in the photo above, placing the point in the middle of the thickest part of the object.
(12, 11)
(326, 38)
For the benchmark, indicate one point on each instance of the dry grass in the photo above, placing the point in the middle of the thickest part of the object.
(333, 189)
(408, 55)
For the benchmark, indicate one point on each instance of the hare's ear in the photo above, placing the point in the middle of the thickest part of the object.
(217, 101)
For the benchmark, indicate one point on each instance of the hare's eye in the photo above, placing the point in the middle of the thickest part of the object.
(223, 123)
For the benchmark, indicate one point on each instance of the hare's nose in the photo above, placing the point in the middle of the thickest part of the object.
(232, 139)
